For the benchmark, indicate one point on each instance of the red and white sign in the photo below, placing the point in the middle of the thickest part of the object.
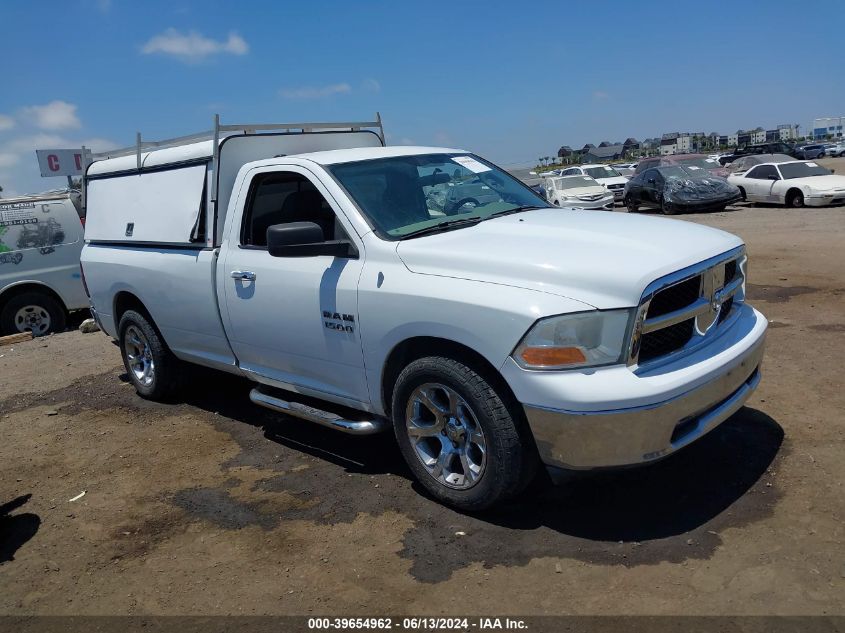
(60, 162)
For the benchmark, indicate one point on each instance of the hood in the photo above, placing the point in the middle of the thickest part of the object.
(604, 259)
(612, 180)
(591, 190)
(699, 188)
(820, 183)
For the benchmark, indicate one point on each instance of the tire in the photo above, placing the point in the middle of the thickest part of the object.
(444, 412)
(150, 365)
(667, 209)
(631, 205)
(742, 194)
(33, 311)
(795, 200)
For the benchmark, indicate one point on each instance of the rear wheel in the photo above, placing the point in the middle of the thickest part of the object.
(460, 439)
(150, 365)
(35, 312)
(795, 199)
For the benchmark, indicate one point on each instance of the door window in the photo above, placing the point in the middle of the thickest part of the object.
(283, 197)
(763, 172)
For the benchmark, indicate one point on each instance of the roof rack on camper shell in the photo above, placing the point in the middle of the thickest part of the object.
(219, 131)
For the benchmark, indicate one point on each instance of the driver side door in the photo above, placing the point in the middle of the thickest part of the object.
(652, 192)
(293, 321)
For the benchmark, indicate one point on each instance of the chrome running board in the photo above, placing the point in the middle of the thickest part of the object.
(318, 416)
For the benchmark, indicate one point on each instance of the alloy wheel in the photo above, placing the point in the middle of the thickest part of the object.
(446, 436)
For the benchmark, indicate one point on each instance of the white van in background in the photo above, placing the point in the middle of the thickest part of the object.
(40, 281)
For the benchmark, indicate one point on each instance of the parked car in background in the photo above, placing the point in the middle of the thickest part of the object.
(40, 242)
(794, 184)
(744, 163)
(676, 189)
(580, 192)
(603, 174)
(835, 149)
(807, 152)
(774, 147)
(693, 162)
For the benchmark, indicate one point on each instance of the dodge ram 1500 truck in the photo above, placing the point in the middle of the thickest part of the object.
(493, 334)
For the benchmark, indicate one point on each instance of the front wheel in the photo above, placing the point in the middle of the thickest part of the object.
(150, 365)
(795, 200)
(632, 206)
(458, 435)
(667, 207)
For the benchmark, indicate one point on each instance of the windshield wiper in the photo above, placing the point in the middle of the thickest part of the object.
(444, 226)
(527, 207)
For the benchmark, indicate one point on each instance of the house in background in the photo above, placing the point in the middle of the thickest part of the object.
(605, 153)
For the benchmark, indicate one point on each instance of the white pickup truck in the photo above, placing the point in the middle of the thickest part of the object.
(421, 289)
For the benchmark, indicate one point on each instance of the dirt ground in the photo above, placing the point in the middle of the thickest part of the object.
(214, 506)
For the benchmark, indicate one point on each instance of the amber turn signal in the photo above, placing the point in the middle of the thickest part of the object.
(552, 356)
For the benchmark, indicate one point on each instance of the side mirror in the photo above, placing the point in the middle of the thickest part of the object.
(651, 181)
(305, 239)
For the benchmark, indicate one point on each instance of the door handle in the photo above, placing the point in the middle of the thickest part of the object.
(243, 275)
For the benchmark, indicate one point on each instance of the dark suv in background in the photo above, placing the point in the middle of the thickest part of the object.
(807, 152)
(775, 147)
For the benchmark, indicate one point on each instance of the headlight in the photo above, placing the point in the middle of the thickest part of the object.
(584, 339)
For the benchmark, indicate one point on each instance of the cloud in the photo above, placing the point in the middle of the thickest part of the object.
(315, 92)
(6, 122)
(371, 85)
(8, 160)
(193, 46)
(56, 115)
(600, 95)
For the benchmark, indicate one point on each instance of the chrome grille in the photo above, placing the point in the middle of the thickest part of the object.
(682, 311)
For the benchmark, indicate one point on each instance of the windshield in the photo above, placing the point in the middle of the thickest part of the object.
(802, 170)
(406, 194)
(601, 172)
(573, 182)
(676, 171)
(698, 163)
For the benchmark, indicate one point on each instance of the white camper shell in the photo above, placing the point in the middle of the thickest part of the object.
(169, 192)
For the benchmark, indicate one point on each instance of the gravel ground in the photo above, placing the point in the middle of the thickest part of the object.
(210, 505)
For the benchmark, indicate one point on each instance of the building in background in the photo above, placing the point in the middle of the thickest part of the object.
(827, 127)
(604, 153)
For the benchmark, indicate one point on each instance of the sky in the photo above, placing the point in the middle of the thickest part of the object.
(510, 81)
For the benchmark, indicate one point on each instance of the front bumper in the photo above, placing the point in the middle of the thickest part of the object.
(713, 383)
(824, 199)
(703, 206)
(602, 203)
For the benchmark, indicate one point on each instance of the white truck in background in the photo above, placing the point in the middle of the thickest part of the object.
(421, 289)
(40, 243)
